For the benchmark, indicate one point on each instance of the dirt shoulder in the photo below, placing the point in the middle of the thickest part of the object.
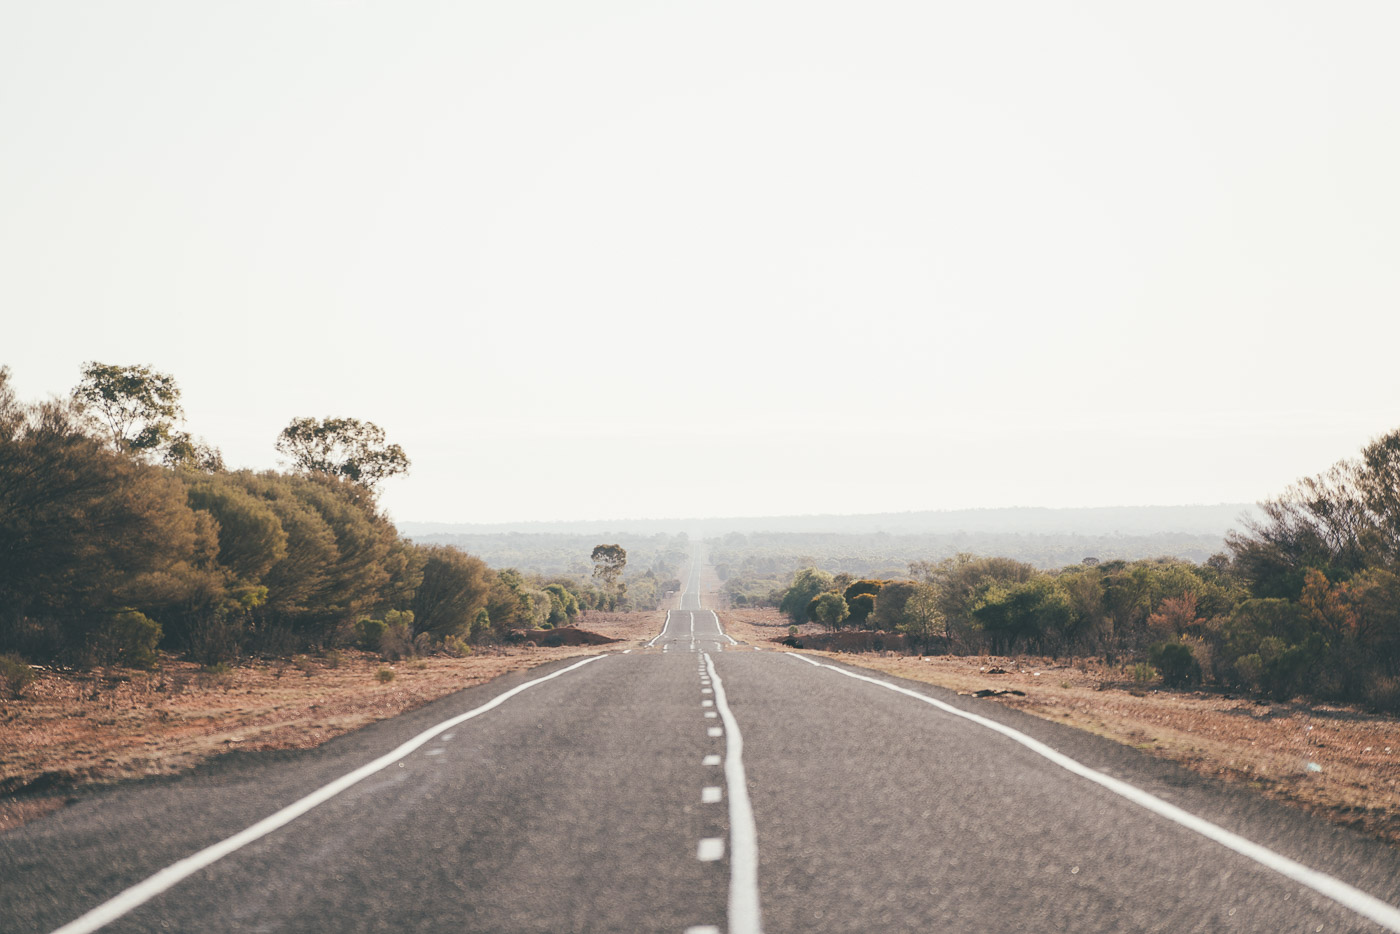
(79, 728)
(1340, 762)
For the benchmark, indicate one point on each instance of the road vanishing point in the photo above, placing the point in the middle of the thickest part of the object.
(694, 785)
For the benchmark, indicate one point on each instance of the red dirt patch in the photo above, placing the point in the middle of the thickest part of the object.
(564, 635)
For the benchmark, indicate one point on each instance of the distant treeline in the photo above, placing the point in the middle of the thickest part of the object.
(752, 565)
(655, 563)
(1304, 601)
(120, 535)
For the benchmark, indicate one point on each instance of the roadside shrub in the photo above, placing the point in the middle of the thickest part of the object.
(16, 674)
(127, 638)
(1178, 666)
(397, 640)
(1384, 695)
(334, 658)
(455, 647)
(368, 633)
(213, 639)
(385, 675)
(1143, 673)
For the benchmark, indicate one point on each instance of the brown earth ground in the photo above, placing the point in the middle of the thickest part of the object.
(1340, 762)
(77, 728)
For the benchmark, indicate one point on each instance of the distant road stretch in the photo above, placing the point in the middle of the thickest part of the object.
(694, 785)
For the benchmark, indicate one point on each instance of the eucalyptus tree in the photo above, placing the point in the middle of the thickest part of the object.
(135, 407)
(342, 447)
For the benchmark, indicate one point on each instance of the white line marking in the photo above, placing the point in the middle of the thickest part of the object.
(744, 914)
(732, 640)
(710, 714)
(142, 892)
(447, 736)
(626, 651)
(710, 849)
(707, 703)
(433, 752)
(714, 731)
(710, 794)
(702, 929)
(664, 626)
(707, 690)
(710, 760)
(1368, 906)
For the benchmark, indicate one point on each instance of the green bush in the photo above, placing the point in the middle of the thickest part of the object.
(16, 674)
(369, 633)
(1250, 669)
(385, 675)
(1178, 666)
(1143, 673)
(128, 638)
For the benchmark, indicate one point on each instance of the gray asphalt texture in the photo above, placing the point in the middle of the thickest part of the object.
(576, 806)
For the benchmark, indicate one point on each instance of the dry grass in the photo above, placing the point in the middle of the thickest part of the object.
(75, 728)
(1340, 762)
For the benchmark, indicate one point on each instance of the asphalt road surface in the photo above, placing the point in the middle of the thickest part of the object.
(694, 785)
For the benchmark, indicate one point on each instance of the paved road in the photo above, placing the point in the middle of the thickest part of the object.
(695, 785)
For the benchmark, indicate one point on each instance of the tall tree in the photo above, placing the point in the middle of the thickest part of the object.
(342, 447)
(135, 406)
(608, 564)
(923, 617)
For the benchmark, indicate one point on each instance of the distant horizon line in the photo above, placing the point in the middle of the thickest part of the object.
(825, 515)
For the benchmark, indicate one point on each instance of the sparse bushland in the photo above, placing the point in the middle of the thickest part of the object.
(15, 675)
(121, 538)
(1305, 603)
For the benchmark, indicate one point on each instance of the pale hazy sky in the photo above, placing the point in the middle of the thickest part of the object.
(608, 259)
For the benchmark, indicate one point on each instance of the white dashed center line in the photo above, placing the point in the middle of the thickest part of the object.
(710, 794)
(744, 914)
(711, 849)
(710, 760)
(707, 703)
(711, 713)
(715, 731)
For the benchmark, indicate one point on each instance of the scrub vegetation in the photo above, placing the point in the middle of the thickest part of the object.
(123, 539)
(1304, 602)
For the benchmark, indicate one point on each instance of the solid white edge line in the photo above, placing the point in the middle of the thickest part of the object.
(744, 914)
(661, 633)
(720, 629)
(144, 891)
(1348, 896)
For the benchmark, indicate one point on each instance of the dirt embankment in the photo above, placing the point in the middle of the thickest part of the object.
(1341, 762)
(76, 728)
